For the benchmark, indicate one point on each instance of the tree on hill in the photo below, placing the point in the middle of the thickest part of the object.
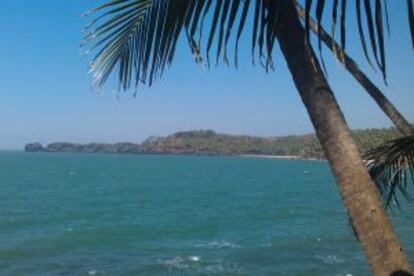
(138, 38)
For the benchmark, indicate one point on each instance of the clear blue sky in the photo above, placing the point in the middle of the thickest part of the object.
(45, 90)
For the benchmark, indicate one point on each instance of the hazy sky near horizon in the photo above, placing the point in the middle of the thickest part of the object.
(45, 90)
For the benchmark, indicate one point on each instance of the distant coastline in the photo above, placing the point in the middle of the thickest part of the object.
(284, 157)
(208, 142)
(289, 157)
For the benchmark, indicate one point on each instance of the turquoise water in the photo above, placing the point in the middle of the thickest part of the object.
(72, 214)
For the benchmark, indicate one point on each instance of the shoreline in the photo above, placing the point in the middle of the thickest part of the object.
(261, 156)
(285, 157)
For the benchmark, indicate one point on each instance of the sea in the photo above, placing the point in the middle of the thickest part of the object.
(96, 214)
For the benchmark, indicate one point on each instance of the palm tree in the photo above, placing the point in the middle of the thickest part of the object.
(390, 171)
(138, 38)
(350, 64)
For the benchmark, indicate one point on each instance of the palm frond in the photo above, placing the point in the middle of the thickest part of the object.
(391, 166)
(138, 38)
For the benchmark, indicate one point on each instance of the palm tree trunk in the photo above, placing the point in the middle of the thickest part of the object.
(389, 109)
(360, 196)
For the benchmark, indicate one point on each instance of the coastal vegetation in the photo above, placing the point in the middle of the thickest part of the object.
(208, 142)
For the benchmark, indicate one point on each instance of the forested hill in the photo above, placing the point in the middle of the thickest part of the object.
(207, 142)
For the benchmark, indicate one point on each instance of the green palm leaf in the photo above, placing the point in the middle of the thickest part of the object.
(137, 38)
(391, 166)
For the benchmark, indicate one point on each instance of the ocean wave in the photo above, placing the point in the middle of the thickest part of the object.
(217, 245)
(217, 268)
(194, 258)
(267, 245)
(194, 264)
(179, 262)
(174, 263)
(329, 259)
(226, 269)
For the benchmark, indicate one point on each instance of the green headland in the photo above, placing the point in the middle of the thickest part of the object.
(208, 142)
